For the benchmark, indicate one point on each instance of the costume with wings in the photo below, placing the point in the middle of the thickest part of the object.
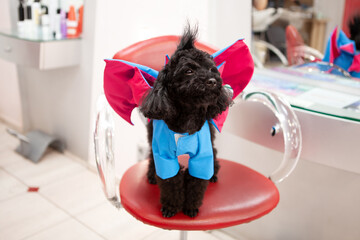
(342, 52)
(126, 83)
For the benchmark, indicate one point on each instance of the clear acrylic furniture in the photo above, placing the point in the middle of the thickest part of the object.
(241, 194)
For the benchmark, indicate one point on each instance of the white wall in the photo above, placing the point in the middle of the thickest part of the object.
(229, 21)
(57, 101)
(62, 102)
(10, 106)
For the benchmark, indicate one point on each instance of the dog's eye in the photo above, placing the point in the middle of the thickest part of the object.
(189, 72)
(214, 70)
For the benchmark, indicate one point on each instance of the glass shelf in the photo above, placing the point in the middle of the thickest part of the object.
(317, 92)
(37, 52)
(35, 36)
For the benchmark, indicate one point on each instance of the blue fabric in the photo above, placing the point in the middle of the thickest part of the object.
(166, 150)
(146, 69)
(345, 59)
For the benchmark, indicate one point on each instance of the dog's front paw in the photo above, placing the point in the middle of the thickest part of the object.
(191, 212)
(214, 179)
(166, 212)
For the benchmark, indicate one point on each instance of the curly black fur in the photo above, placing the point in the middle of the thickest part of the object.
(187, 92)
(354, 27)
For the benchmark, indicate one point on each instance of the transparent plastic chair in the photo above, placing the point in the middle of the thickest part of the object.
(288, 124)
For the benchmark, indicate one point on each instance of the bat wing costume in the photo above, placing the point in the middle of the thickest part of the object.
(126, 83)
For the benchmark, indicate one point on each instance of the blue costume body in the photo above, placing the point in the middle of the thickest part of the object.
(167, 145)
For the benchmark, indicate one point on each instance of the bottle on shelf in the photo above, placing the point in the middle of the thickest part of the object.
(72, 23)
(21, 19)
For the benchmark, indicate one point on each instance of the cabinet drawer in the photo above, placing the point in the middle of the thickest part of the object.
(41, 55)
(26, 53)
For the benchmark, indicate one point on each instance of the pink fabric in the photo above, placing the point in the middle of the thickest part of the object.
(334, 50)
(220, 120)
(355, 66)
(124, 87)
(348, 48)
(239, 66)
(167, 59)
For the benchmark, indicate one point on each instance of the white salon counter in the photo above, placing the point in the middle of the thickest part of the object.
(330, 128)
(320, 199)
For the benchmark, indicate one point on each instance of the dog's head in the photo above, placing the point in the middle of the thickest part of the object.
(190, 78)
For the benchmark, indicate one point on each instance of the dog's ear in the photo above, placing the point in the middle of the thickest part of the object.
(157, 104)
(223, 102)
(188, 38)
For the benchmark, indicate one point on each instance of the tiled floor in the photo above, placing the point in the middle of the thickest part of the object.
(68, 205)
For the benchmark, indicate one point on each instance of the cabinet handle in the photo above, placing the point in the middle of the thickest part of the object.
(8, 49)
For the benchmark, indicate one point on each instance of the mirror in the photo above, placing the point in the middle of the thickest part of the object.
(290, 50)
(291, 32)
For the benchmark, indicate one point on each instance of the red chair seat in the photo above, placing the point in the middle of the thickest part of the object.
(240, 195)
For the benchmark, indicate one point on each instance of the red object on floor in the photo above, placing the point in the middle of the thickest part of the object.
(33, 189)
(240, 195)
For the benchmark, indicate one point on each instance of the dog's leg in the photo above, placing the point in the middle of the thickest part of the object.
(171, 194)
(151, 170)
(151, 167)
(214, 178)
(194, 193)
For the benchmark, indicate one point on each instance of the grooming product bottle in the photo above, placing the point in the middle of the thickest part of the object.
(72, 23)
(45, 23)
(35, 12)
(21, 19)
(29, 23)
(52, 6)
(58, 24)
(80, 20)
(63, 26)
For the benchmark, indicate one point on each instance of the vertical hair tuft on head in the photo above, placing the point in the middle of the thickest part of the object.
(188, 38)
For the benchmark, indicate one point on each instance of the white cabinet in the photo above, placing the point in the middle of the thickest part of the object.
(42, 55)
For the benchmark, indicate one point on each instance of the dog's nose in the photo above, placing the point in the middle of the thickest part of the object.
(211, 82)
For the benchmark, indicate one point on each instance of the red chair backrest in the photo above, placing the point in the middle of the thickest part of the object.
(293, 40)
(152, 52)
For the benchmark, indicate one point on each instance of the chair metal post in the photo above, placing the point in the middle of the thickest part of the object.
(183, 235)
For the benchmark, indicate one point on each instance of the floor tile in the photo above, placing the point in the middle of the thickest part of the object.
(200, 235)
(115, 224)
(223, 235)
(52, 167)
(27, 214)
(70, 203)
(67, 230)
(9, 157)
(75, 193)
(10, 186)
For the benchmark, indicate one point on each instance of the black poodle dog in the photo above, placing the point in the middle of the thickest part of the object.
(186, 96)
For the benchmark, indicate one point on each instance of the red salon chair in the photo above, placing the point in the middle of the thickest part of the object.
(241, 194)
